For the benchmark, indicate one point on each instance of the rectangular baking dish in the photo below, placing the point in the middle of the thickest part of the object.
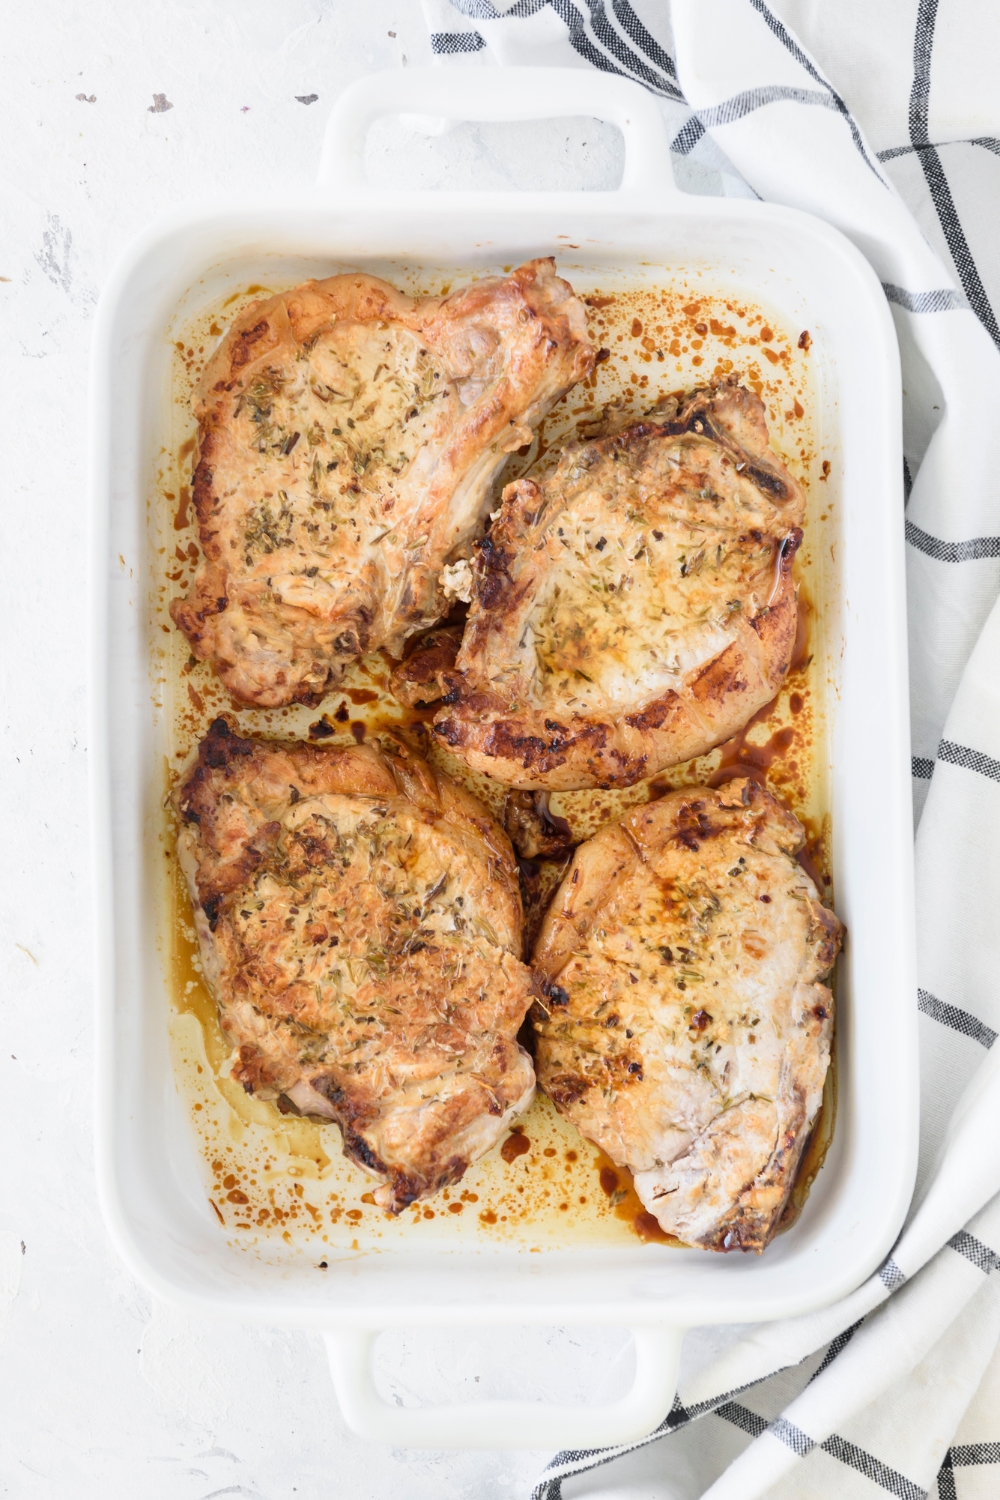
(151, 1193)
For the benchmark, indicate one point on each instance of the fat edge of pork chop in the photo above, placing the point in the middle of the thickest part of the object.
(360, 924)
(349, 437)
(630, 611)
(686, 1028)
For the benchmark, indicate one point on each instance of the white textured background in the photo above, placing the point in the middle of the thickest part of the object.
(104, 1392)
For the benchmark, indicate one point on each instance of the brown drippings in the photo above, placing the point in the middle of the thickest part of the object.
(562, 833)
(534, 830)
(517, 1144)
(740, 757)
(539, 880)
(617, 1184)
(803, 623)
(182, 519)
(609, 1181)
(814, 1154)
(813, 857)
(362, 695)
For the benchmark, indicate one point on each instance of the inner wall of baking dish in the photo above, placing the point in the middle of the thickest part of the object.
(270, 1177)
(166, 1185)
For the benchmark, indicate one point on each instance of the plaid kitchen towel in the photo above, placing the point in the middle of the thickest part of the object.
(885, 120)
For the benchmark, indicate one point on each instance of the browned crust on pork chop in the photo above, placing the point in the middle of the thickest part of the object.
(348, 439)
(360, 925)
(633, 609)
(686, 1027)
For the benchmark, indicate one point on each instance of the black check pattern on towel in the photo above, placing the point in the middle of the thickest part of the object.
(969, 759)
(645, 43)
(840, 1343)
(802, 1444)
(963, 756)
(742, 1417)
(449, 43)
(973, 1249)
(974, 1453)
(976, 549)
(600, 43)
(615, 43)
(987, 142)
(937, 181)
(873, 1469)
(958, 1020)
(579, 1461)
(791, 45)
(946, 299)
(963, 1456)
(891, 1275)
(744, 104)
(793, 1437)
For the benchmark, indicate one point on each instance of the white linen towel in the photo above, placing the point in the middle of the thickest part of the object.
(884, 120)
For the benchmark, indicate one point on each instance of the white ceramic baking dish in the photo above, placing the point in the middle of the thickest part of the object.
(152, 1194)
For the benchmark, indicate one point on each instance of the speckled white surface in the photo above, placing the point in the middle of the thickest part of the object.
(103, 1391)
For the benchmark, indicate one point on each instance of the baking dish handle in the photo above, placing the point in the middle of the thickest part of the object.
(498, 94)
(506, 1424)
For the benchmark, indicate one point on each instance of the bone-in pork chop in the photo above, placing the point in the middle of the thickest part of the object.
(686, 1027)
(631, 610)
(348, 439)
(360, 925)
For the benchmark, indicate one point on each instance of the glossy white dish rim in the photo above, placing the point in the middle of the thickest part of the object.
(645, 1287)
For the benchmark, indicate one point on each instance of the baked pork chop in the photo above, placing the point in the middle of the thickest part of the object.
(360, 927)
(632, 610)
(348, 439)
(687, 1027)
